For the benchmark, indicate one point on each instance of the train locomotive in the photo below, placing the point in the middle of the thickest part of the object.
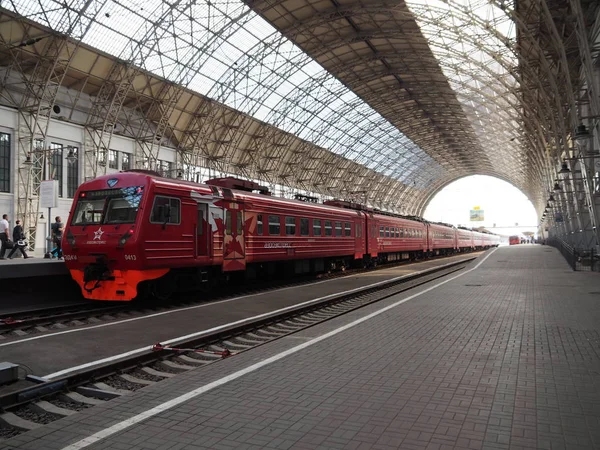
(135, 233)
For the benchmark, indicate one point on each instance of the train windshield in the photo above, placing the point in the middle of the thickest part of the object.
(108, 206)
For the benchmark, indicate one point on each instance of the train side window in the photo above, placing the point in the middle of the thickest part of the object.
(274, 225)
(381, 232)
(348, 229)
(259, 224)
(166, 210)
(338, 228)
(303, 226)
(228, 222)
(328, 230)
(290, 226)
(387, 232)
(397, 232)
(317, 227)
(200, 228)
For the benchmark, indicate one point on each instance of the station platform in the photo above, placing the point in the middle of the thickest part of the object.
(502, 355)
(31, 267)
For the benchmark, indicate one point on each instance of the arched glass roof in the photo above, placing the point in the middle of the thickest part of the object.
(420, 92)
(225, 51)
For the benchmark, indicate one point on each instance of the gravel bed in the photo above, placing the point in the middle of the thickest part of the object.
(6, 433)
(119, 383)
(72, 405)
(43, 418)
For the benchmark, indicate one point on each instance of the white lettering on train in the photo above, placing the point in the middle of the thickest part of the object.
(277, 245)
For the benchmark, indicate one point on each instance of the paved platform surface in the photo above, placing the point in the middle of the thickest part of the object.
(47, 353)
(505, 356)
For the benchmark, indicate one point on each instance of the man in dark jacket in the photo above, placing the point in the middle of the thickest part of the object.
(18, 236)
(57, 232)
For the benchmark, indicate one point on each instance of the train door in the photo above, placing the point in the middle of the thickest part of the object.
(203, 231)
(234, 251)
(360, 236)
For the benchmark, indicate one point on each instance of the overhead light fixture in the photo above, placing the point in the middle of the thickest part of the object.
(28, 162)
(564, 169)
(71, 157)
(557, 187)
(581, 133)
(551, 198)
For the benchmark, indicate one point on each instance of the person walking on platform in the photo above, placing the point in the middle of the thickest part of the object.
(57, 231)
(18, 241)
(4, 236)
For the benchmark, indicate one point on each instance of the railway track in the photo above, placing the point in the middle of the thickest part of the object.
(27, 323)
(50, 400)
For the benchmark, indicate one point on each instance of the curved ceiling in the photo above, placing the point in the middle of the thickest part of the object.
(389, 98)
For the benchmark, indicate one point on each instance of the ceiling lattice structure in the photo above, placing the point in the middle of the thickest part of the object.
(390, 99)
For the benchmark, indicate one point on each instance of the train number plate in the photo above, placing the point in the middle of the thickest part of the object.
(130, 258)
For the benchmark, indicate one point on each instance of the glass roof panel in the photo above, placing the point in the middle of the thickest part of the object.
(224, 50)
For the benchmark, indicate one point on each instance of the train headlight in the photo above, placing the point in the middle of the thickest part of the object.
(126, 237)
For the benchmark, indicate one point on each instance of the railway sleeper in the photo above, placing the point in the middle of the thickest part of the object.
(13, 421)
(44, 407)
(77, 397)
(174, 365)
(158, 373)
(197, 361)
(100, 386)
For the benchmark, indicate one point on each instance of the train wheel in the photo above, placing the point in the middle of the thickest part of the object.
(163, 288)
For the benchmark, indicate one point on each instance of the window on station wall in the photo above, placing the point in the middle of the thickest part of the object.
(5, 143)
(125, 161)
(55, 165)
(73, 174)
(113, 159)
(165, 168)
(38, 172)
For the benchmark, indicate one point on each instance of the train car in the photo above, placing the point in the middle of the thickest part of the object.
(464, 240)
(135, 232)
(514, 240)
(399, 238)
(441, 239)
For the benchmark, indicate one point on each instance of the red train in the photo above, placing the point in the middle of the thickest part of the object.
(136, 233)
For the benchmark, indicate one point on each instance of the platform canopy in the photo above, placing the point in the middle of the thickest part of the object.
(379, 101)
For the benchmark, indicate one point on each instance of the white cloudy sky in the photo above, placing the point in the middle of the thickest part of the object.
(502, 203)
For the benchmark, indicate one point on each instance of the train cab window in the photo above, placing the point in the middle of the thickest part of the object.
(381, 232)
(317, 227)
(303, 226)
(338, 228)
(259, 225)
(387, 232)
(166, 210)
(274, 225)
(200, 226)
(328, 229)
(290, 226)
(348, 229)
